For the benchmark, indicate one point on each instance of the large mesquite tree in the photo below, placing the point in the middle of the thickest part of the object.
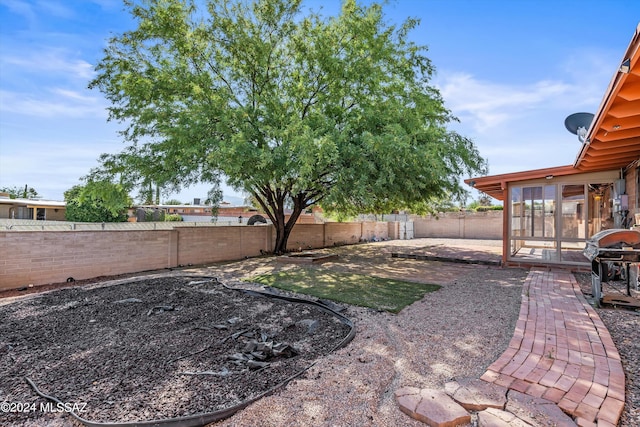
(294, 110)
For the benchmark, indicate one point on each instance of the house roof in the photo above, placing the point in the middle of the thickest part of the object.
(495, 185)
(613, 138)
(33, 203)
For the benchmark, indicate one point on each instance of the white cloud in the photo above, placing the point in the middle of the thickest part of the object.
(31, 11)
(487, 105)
(37, 161)
(52, 61)
(55, 102)
(519, 125)
(55, 8)
(21, 8)
(48, 82)
(75, 96)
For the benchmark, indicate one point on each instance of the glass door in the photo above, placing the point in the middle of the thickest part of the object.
(533, 222)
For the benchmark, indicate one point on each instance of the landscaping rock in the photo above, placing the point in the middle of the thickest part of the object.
(310, 325)
(492, 417)
(476, 395)
(537, 411)
(433, 407)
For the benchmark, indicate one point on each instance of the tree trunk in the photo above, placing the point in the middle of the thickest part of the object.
(272, 202)
(281, 238)
(283, 230)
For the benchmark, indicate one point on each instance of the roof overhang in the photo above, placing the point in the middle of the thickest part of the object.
(30, 203)
(495, 185)
(613, 139)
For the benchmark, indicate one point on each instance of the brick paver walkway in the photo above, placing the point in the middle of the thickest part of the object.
(561, 351)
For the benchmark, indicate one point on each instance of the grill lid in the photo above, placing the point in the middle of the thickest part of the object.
(616, 238)
(614, 243)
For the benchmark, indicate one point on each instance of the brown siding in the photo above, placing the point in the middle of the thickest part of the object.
(631, 181)
(58, 214)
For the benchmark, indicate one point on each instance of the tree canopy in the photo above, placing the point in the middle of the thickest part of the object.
(16, 192)
(294, 110)
(97, 202)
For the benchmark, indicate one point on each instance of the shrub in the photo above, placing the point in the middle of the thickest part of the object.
(488, 208)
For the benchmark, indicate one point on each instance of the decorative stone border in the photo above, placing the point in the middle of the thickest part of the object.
(492, 406)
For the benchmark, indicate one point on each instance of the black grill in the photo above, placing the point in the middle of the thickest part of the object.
(611, 252)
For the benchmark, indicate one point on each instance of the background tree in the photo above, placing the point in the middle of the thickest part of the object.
(484, 199)
(214, 198)
(173, 202)
(483, 203)
(293, 110)
(97, 202)
(144, 168)
(16, 192)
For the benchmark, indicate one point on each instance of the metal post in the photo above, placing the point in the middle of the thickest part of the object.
(627, 264)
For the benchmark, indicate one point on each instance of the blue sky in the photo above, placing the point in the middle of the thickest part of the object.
(510, 70)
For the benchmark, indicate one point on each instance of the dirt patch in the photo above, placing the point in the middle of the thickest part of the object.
(154, 349)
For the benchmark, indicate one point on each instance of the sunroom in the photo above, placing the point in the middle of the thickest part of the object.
(550, 213)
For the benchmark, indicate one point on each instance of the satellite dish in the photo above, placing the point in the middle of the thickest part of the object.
(578, 124)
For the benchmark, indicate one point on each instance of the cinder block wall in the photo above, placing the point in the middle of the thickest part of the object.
(305, 236)
(41, 257)
(343, 233)
(313, 236)
(204, 245)
(375, 230)
(460, 225)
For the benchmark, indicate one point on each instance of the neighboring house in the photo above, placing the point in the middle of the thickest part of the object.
(549, 213)
(51, 210)
(226, 212)
(203, 213)
(31, 209)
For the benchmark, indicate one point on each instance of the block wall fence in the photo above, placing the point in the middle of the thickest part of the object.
(460, 225)
(43, 257)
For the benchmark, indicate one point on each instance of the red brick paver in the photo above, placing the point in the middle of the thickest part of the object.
(561, 351)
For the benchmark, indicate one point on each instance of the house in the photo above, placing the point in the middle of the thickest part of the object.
(202, 213)
(31, 209)
(549, 213)
(226, 213)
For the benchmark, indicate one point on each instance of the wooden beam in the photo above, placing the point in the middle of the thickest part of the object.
(613, 152)
(612, 124)
(621, 108)
(618, 135)
(630, 91)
